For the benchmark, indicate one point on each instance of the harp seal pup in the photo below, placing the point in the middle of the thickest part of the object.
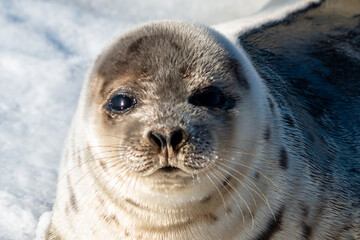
(177, 137)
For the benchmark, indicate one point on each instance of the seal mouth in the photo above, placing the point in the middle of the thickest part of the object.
(169, 169)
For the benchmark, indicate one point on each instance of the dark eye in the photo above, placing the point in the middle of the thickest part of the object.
(121, 102)
(211, 97)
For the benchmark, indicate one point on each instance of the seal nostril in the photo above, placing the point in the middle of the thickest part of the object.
(172, 140)
(158, 139)
(176, 138)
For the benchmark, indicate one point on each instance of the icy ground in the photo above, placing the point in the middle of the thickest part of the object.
(45, 50)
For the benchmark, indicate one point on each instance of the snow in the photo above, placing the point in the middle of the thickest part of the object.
(45, 50)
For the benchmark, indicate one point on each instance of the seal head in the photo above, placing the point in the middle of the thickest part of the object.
(165, 98)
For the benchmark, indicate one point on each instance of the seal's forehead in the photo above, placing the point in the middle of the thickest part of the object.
(160, 49)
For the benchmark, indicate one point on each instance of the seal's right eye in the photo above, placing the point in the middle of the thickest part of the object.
(121, 102)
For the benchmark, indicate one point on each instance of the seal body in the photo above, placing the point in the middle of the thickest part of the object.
(177, 137)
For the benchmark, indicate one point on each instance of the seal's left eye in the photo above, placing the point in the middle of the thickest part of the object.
(121, 102)
(211, 97)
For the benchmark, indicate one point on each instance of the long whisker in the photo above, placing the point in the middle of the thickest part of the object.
(250, 154)
(243, 184)
(223, 200)
(259, 193)
(79, 165)
(259, 158)
(242, 199)
(268, 180)
(252, 142)
(121, 170)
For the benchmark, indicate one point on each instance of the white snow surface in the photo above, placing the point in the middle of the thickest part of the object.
(45, 49)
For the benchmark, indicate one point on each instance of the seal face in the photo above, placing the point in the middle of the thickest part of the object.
(165, 101)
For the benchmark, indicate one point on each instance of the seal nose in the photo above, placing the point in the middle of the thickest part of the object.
(175, 138)
(158, 139)
(171, 139)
